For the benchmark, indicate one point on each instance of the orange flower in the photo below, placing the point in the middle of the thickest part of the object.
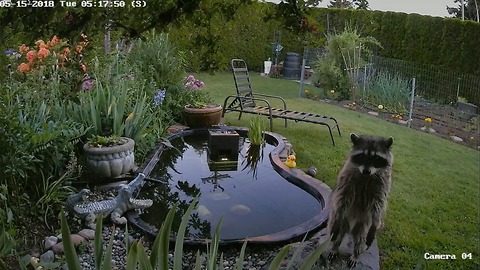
(66, 50)
(23, 67)
(31, 55)
(40, 43)
(83, 67)
(62, 57)
(56, 40)
(23, 49)
(49, 45)
(43, 53)
(79, 49)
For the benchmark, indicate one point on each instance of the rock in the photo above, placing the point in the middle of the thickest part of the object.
(88, 234)
(312, 171)
(77, 239)
(402, 122)
(373, 113)
(431, 130)
(48, 256)
(49, 242)
(423, 128)
(58, 248)
(456, 139)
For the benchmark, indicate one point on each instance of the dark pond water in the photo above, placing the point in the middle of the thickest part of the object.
(253, 200)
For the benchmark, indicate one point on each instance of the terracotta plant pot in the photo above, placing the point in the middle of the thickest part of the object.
(111, 161)
(207, 116)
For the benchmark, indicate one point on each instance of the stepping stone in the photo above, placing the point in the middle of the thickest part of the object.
(373, 113)
(456, 139)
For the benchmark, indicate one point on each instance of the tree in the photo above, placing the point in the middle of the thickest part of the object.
(294, 11)
(361, 4)
(340, 4)
(471, 9)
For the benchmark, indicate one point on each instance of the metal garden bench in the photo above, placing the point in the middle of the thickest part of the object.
(245, 101)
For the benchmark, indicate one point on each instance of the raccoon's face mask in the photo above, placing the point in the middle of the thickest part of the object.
(371, 154)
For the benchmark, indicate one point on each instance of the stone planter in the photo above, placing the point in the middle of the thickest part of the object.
(207, 116)
(111, 161)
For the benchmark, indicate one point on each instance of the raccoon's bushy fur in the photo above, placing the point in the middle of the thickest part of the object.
(360, 196)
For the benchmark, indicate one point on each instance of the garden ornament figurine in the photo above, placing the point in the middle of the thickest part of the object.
(123, 202)
(290, 162)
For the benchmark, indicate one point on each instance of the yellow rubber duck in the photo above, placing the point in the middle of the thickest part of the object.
(290, 162)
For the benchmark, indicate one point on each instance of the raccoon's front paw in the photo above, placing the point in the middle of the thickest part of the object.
(332, 256)
(351, 262)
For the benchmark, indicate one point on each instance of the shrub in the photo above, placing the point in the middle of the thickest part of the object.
(346, 53)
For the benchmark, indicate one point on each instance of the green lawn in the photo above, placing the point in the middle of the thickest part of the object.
(434, 201)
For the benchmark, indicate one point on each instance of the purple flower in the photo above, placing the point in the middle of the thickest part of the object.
(193, 84)
(10, 51)
(87, 83)
(159, 97)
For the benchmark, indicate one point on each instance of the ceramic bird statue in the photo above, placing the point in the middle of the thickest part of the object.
(290, 162)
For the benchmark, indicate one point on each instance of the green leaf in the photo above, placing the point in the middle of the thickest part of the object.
(132, 257)
(178, 254)
(212, 258)
(313, 258)
(143, 258)
(107, 262)
(160, 248)
(277, 261)
(239, 264)
(69, 249)
(198, 261)
(98, 242)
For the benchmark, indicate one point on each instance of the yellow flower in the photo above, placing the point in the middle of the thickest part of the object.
(130, 116)
(380, 107)
(306, 91)
(428, 120)
(332, 91)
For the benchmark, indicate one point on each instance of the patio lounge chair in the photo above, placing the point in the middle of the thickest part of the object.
(245, 101)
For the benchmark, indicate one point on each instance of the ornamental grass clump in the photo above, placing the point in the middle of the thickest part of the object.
(391, 91)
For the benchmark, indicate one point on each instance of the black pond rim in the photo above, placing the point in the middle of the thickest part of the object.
(314, 187)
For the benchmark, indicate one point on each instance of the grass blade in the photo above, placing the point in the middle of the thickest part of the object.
(313, 258)
(277, 261)
(161, 245)
(69, 249)
(107, 262)
(178, 255)
(297, 252)
(98, 243)
(132, 257)
(214, 248)
(239, 264)
(198, 261)
(143, 258)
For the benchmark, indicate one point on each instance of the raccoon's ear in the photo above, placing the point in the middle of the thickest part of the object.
(354, 138)
(389, 142)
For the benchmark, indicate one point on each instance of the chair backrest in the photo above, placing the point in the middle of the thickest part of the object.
(242, 82)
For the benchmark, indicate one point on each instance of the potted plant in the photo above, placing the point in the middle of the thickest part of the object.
(200, 111)
(110, 156)
(117, 112)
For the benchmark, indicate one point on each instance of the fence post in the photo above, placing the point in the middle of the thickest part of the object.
(302, 73)
(412, 98)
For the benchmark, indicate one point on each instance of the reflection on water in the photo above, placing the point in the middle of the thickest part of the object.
(253, 201)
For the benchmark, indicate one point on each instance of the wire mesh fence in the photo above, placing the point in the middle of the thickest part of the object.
(448, 99)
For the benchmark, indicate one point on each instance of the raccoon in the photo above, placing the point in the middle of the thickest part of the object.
(360, 196)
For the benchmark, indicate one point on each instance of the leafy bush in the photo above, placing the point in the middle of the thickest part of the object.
(157, 60)
(338, 68)
(390, 91)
